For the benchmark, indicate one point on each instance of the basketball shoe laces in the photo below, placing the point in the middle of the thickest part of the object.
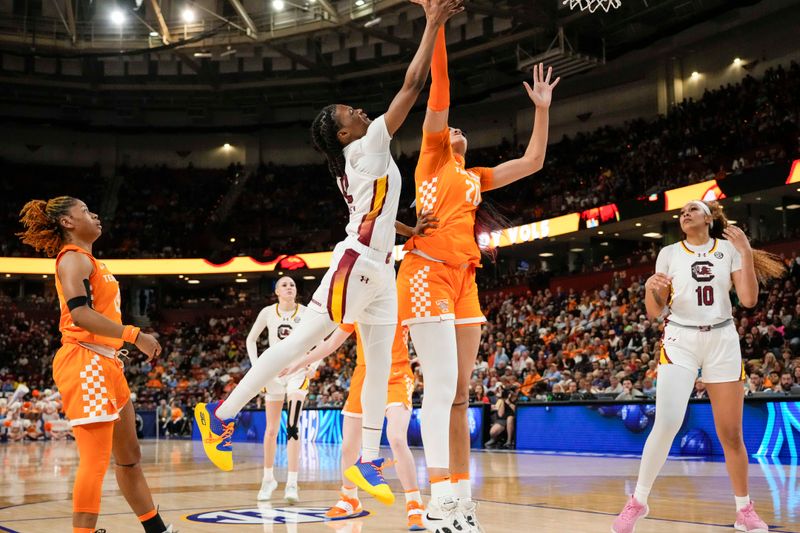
(226, 435)
(630, 511)
(379, 469)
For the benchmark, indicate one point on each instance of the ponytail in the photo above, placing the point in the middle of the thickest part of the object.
(489, 219)
(40, 219)
(767, 266)
(324, 136)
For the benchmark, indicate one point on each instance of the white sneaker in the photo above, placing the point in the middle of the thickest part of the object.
(170, 529)
(290, 494)
(443, 516)
(469, 509)
(267, 488)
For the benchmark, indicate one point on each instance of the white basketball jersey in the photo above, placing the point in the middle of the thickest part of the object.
(371, 188)
(701, 280)
(281, 323)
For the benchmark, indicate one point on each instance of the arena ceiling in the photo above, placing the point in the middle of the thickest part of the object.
(247, 57)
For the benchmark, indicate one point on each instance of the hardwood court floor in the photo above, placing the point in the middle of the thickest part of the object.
(518, 492)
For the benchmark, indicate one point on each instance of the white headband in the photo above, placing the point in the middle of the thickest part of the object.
(705, 209)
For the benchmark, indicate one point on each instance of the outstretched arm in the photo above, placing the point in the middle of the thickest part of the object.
(320, 351)
(436, 13)
(439, 98)
(532, 161)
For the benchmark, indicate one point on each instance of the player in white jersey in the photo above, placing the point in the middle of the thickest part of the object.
(359, 286)
(691, 287)
(280, 319)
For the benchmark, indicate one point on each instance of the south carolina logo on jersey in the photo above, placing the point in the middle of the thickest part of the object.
(284, 330)
(702, 270)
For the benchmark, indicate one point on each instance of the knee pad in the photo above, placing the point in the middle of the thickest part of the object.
(293, 421)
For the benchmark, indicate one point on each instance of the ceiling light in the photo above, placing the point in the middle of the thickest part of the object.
(118, 17)
(309, 277)
(194, 281)
(239, 275)
(695, 76)
(44, 276)
(226, 146)
(372, 22)
(187, 15)
(233, 239)
(604, 243)
(278, 5)
(576, 250)
(674, 216)
(280, 273)
(758, 198)
(793, 206)
(180, 276)
(600, 232)
(241, 280)
(546, 254)
(359, 3)
(638, 224)
(737, 61)
(732, 221)
(154, 34)
(8, 275)
(652, 235)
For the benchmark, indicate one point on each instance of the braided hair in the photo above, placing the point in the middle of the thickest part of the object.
(324, 136)
(41, 221)
(767, 266)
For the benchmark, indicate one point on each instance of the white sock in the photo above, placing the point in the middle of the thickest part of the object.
(268, 475)
(435, 344)
(641, 494)
(462, 489)
(742, 502)
(441, 489)
(377, 343)
(413, 496)
(291, 478)
(674, 386)
(314, 327)
(350, 493)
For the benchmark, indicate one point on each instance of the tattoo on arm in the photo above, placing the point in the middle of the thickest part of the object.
(657, 297)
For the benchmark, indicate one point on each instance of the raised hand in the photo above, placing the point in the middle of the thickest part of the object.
(438, 11)
(541, 94)
(737, 238)
(658, 282)
(425, 221)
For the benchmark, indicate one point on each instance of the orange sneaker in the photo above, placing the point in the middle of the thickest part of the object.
(345, 508)
(415, 510)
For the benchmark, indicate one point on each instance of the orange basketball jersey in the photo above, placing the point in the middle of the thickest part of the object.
(453, 194)
(399, 346)
(104, 297)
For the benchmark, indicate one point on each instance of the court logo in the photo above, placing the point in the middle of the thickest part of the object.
(701, 270)
(265, 514)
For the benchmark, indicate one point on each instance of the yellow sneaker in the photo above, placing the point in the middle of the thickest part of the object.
(369, 478)
(216, 435)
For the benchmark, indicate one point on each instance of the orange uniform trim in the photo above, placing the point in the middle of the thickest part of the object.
(147, 516)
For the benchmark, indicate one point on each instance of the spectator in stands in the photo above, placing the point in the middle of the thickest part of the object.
(629, 392)
(700, 392)
(787, 385)
(756, 382)
(502, 418)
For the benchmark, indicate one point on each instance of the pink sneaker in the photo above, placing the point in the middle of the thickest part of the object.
(747, 520)
(626, 521)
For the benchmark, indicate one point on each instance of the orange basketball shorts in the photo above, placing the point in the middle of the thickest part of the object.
(93, 387)
(430, 291)
(401, 389)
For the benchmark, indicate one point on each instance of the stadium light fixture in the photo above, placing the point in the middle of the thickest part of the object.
(600, 232)
(187, 15)
(154, 34)
(309, 278)
(732, 221)
(652, 235)
(737, 61)
(241, 280)
(576, 250)
(226, 146)
(695, 76)
(118, 17)
(239, 275)
(638, 224)
(546, 254)
(674, 216)
(233, 239)
(604, 243)
(359, 3)
(792, 207)
(194, 282)
(8, 275)
(44, 276)
(278, 5)
(280, 273)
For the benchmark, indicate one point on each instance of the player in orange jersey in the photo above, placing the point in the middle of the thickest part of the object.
(437, 293)
(398, 415)
(87, 369)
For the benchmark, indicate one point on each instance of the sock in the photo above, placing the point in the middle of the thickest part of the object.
(440, 487)
(413, 496)
(641, 494)
(350, 492)
(742, 502)
(152, 522)
(370, 444)
(462, 488)
(291, 478)
(268, 475)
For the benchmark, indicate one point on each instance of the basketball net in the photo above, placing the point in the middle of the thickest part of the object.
(593, 5)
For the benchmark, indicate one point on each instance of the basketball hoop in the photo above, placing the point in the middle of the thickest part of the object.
(593, 5)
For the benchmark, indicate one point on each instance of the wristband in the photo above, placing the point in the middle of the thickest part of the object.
(130, 333)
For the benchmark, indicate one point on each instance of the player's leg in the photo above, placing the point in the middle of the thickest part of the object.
(128, 470)
(348, 503)
(376, 340)
(273, 407)
(94, 443)
(294, 441)
(397, 419)
(215, 420)
(674, 386)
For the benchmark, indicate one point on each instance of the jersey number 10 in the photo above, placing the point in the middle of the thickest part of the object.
(705, 295)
